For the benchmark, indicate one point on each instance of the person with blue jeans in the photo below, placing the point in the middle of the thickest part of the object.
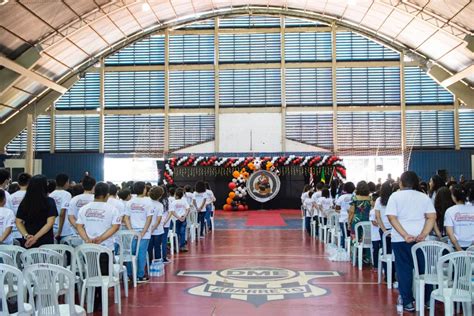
(412, 216)
(179, 208)
(138, 217)
(154, 247)
(210, 199)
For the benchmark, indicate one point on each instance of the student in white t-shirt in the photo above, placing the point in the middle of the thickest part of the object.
(157, 231)
(310, 212)
(17, 197)
(166, 199)
(7, 220)
(324, 204)
(199, 204)
(62, 227)
(138, 217)
(343, 204)
(412, 216)
(179, 208)
(114, 200)
(80, 200)
(317, 193)
(375, 238)
(459, 220)
(305, 193)
(4, 183)
(210, 199)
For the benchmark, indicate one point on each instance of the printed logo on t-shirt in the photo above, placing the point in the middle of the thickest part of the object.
(464, 217)
(95, 214)
(137, 208)
(81, 203)
(16, 200)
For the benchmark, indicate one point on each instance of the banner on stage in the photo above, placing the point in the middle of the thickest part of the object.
(263, 185)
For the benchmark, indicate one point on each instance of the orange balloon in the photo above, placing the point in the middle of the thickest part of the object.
(229, 201)
(227, 208)
(231, 195)
(236, 174)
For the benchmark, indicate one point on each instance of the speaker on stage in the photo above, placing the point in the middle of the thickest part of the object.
(443, 173)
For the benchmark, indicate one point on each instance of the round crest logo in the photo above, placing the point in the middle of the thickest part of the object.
(263, 185)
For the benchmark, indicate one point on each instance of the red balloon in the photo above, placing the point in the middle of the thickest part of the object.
(227, 207)
(241, 207)
(231, 185)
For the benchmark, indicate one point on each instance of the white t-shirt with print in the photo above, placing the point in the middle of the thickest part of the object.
(209, 197)
(309, 207)
(304, 196)
(374, 230)
(61, 199)
(97, 218)
(461, 218)
(199, 198)
(166, 212)
(179, 207)
(118, 204)
(344, 202)
(158, 212)
(7, 219)
(189, 198)
(139, 209)
(8, 200)
(382, 209)
(15, 200)
(410, 207)
(325, 205)
(79, 201)
(316, 196)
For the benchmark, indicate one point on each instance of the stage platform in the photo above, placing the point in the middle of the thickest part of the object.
(258, 220)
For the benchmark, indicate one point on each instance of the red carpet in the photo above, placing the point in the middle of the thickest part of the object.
(266, 218)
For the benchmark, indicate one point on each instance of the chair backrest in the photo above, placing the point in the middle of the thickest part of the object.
(432, 238)
(41, 279)
(333, 220)
(432, 251)
(362, 233)
(89, 256)
(470, 249)
(460, 272)
(385, 235)
(14, 252)
(12, 276)
(5, 258)
(41, 255)
(65, 251)
(72, 241)
(125, 240)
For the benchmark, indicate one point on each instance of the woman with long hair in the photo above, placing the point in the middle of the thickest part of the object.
(443, 201)
(36, 214)
(436, 182)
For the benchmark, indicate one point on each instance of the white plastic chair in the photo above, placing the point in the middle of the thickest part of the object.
(125, 240)
(44, 298)
(347, 238)
(72, 241)
(89, 255)
(322, 228)
(455, 282)
(41, 255)
(333, 228)
(14, 252)
(431, 251)
(11, 277)
(470, 249)
(173, 237)
(388, 258)
(361, 242)
(5, 258)
(193, 226)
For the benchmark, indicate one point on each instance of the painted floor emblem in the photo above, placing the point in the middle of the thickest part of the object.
(258, 285)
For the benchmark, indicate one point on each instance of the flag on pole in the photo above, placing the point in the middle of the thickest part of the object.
(323, 176)
(311, 179)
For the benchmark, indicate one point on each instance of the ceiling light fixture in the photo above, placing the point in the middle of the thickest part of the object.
(3, 2)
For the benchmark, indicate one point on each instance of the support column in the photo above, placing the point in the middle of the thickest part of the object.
(102, 106)
(167, 94)
(216, 85)
(403, 104)
(457, 142)
(334, 87)
(52, 128)
(29, 144)
(283, 84)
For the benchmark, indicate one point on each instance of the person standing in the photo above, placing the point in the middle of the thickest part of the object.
(17, 197)
(179, 208)
(138, 218)
(7, 221)
(4, 183)
(412, 216)
(157, 231)
(80, 200)
(210, 199)
(36, 214)
(199, 203)
(62, 227)
(343, 204)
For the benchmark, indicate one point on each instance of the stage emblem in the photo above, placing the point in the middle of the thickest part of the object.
(263, 185)
(258, 285)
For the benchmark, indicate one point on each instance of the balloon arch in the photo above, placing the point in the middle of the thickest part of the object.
(240, 169)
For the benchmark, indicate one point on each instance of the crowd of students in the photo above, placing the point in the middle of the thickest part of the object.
(411, 210)
(35, 211)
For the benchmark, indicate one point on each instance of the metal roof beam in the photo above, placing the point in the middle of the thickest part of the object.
(8, 78)
(19, 69)
(459, 89)
(459, 76)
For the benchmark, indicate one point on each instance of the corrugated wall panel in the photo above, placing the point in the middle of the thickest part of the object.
(73, 164)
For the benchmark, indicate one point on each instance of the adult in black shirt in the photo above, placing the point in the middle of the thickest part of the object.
(36, 214)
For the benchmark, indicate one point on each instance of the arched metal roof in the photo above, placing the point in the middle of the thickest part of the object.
(45, 42)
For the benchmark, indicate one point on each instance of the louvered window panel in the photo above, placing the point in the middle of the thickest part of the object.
(368, 86)
(188, 130)
(77, 133)
(466, 129)
(430, 129)
(238, 48)
(352, 46)
(193, 89)
(142, 89)
(192, 49)
(84, 94)
(294, 22)
(206, 24)
(310, 128)
(41, 137)
(369, 130)
(308, 86)
(134, 133)
(249, 21)
(249, 87)
(422, 89)
(149, 51)
(308, 47)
